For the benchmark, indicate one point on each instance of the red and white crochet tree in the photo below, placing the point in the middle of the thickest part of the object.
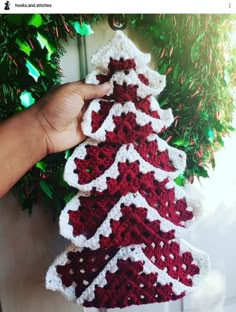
(128, 217)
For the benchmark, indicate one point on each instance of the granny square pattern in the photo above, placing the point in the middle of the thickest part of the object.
(127, 219)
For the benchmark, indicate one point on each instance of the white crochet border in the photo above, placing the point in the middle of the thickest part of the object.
(135, 253)
(126, 152)
(117, 109)
(119, 46)
(104, 229)
(156, 84)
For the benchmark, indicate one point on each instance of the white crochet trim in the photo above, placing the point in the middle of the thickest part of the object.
(53, 281)
(126, 152)
(104, 229)
(177, 157)
(157, 82)
(117, 109)
(119, 46)
(135, 253)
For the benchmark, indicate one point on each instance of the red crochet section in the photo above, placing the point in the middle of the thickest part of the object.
(90, 214)
(127, 130)
(103, 78)
(82, 267)
(99, 117)
(121, 93)
(97, 160)
(121, 65)
(149, 152)
(166, 256)
(124, 93)
(129, 180)
(128, 286)
(143, 79)
(163, 200)
(134, 228)
(144, 106)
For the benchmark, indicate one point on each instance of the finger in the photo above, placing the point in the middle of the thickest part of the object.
(90, 91)
(84, 107)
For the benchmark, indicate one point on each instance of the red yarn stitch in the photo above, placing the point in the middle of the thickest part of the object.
(99, 117)
(143, 79)
(97, 160)
(164, 201)
(82, 267)
(166, 256)
(127, 130)
(130, 286)
(103, 78)
(90, 214)
(144, 106)
(149, 152)
(124, 93)
(121, 64)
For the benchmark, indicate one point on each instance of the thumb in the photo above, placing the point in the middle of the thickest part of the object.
(90, 91)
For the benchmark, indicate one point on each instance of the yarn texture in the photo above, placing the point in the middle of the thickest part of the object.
(127, 219)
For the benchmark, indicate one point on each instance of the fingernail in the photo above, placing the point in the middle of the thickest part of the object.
(108, 85)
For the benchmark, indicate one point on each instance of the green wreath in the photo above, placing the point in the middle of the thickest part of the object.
(194, 51)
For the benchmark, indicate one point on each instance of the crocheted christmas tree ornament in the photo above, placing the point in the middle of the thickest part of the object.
(128, 215)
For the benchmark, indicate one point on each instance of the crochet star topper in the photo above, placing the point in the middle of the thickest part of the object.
(127, 219)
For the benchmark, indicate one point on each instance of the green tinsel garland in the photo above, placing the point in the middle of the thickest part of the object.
(189, 49)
